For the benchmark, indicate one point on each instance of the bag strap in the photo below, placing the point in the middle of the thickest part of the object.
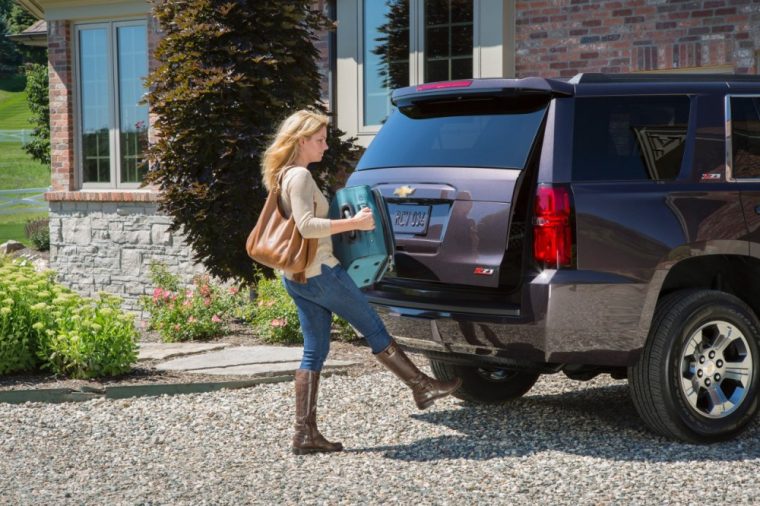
(278, 187)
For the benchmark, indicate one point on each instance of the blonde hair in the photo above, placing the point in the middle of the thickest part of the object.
(284, 148)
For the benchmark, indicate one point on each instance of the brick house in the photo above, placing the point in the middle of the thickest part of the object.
(105, 229)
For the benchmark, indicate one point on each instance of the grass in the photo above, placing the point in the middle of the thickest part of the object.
(14, 111)
(17, 169)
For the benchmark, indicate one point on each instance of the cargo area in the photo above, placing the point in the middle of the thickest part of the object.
(458, 176)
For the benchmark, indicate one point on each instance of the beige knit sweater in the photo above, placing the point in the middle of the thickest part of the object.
(299, 194)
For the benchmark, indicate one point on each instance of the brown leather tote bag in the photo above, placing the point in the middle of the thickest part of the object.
(276, 242)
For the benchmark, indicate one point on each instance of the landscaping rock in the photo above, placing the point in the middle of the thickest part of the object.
(11, 246)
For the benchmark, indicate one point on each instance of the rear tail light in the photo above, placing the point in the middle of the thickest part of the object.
(552, 226)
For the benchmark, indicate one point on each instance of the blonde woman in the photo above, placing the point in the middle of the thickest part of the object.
(300, 141)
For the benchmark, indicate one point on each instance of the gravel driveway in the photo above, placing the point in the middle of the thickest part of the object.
(564, 443)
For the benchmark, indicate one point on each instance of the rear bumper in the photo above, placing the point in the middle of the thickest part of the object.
(565, 317)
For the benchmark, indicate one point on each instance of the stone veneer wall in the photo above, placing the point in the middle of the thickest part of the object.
(108, 246)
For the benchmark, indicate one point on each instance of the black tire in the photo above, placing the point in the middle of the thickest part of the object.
(488, 385)
(702, 348)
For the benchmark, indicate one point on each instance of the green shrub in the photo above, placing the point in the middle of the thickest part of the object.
(90, 338)
(275, 317)
(236, 69)
(44, 325)
(38, 231)
(37, 98)
(21, 292)
(197, 313)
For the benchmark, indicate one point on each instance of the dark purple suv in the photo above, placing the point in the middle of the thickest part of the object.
(606, 224)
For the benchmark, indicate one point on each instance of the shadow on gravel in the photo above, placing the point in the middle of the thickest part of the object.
(595, 422)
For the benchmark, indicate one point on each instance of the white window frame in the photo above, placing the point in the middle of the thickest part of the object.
(111, 27)
(493, 54)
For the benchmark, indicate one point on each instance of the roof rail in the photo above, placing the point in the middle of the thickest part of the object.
(663, 78)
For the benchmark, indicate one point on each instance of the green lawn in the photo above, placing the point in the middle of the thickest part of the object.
(14, 111)
(17, 169)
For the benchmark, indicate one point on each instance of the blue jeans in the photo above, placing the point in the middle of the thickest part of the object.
(333, 291)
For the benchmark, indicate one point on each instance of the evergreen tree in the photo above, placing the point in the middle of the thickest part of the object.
(228, 73)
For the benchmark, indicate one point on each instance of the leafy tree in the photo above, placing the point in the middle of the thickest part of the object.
(228, 73)
(38, 99)
(10, 58)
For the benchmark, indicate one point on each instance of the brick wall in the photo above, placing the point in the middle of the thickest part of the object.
(61, 120)
(562, 38)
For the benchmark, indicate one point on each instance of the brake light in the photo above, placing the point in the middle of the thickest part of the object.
(446, 84)
(552, 227)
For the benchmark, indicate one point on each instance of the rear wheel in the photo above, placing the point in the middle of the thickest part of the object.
(485, 384)
(698, 377)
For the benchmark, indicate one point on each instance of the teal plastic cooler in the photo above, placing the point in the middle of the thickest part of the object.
(365, 255)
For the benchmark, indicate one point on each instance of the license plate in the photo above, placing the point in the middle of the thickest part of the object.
(409, 219)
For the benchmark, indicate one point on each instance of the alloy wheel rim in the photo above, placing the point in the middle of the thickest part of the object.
(495, 375)
(716, 369)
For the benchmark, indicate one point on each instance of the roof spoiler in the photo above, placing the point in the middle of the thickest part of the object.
(529, 86)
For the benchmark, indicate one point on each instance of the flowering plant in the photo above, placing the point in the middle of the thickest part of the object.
(43, 324)
(195, 313)
(275, 317)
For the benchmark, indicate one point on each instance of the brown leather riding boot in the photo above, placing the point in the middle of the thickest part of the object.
(424, 388)
(307, 438)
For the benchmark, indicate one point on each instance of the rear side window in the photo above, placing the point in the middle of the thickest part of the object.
(629, 138)
(745, 137)
(467, 133)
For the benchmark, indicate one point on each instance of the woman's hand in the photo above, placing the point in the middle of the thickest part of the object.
(363, 220)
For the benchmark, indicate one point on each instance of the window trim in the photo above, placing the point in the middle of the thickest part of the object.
(417, 52)
(729, 140)
(111, 27)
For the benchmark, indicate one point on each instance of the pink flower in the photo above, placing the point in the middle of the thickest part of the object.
(215, 319)
(233, 290)
(188, 293)
(279, 322)
(191, 319)
(176, 326)
(207, 302)
(187, 303)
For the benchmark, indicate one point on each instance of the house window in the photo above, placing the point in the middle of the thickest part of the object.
(386, 55)
(401, 36)
(448, 40)
(112, 60)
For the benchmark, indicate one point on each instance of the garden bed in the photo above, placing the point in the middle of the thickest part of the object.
(144, 372)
